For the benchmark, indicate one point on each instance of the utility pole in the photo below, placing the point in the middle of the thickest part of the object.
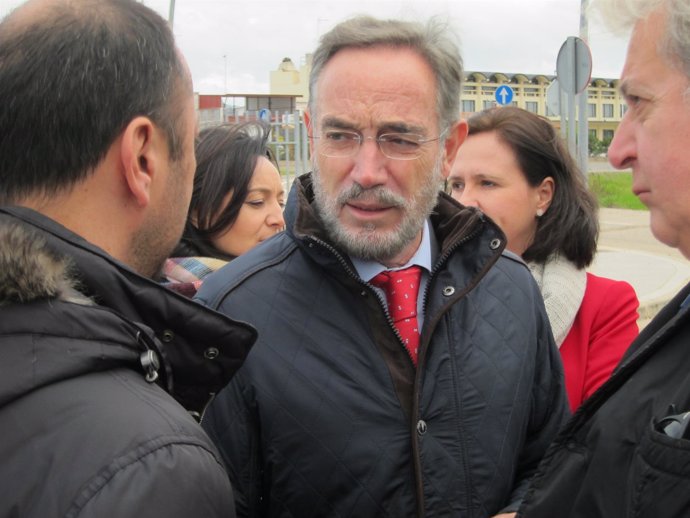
(171, 13)
(583, 108)
(225, 59)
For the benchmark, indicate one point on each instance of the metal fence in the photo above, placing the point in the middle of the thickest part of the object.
(290, 144)
(288, 139)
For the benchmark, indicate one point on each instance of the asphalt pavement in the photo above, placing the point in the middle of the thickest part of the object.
(628, 251)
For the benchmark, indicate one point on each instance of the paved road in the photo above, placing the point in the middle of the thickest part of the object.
(628, 251)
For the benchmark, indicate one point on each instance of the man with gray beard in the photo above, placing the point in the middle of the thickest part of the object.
(405, 366)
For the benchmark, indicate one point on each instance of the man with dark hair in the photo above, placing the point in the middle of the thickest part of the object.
(343, 408)
(102, 369)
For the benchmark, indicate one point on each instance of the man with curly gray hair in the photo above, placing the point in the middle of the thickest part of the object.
(627, 450)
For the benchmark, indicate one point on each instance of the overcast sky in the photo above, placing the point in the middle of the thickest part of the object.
(231, 46)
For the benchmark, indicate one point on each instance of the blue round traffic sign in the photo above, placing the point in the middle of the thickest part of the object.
(504, 95)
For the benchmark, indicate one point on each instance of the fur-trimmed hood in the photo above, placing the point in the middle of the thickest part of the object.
(55, 284)
(30, 270)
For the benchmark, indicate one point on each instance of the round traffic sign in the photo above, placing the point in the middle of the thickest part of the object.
(574, 65)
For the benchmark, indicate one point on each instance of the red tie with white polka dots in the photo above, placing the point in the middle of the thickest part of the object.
(401, 288)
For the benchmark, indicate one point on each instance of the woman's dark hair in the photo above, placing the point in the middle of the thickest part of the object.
(226, 156)
(569, 227)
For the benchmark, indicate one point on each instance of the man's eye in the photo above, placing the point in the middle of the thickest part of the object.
(340, 136)
(632, 100)
(402, 141)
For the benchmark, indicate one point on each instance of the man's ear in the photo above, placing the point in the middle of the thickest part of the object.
(307, 121)
(456, 136)
(310, 132)
(138, 156)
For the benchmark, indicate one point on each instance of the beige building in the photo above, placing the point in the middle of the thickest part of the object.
(291, 80)
(605, 105)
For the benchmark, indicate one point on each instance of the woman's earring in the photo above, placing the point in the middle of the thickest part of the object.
(540, 213)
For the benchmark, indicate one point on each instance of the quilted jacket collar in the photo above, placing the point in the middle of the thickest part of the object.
(201, 349)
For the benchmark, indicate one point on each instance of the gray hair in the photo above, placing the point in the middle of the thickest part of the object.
(433, 41)
(621, 15)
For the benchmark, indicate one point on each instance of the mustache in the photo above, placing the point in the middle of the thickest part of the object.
(378, 194)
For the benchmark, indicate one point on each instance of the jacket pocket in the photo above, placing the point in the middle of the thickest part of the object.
(660, 477)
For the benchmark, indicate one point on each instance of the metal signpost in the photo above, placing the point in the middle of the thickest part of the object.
(574, 70)
(554, 102)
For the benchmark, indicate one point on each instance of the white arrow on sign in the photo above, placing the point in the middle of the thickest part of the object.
(504, 94)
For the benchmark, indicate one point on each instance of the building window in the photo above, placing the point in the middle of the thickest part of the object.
(608, 135)
(592, 133)
(468, 106)
(488, 104)
(624, 108)
(592, 110)
(532, 106)
(608, 111)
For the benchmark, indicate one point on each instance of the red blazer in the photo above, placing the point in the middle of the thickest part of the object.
(604, 327)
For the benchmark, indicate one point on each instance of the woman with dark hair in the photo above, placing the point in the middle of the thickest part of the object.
(517, 170)
(237, 202)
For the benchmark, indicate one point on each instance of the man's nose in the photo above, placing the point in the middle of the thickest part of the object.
(622, 150)
(369, 168)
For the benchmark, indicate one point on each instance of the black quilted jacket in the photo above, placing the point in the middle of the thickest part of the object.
(328, 416)
(611, 460)
(89, 424)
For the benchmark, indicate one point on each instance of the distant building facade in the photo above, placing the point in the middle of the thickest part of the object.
(230, 108)
(604, 104)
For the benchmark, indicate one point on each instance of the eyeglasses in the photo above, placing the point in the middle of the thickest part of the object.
(397, 146)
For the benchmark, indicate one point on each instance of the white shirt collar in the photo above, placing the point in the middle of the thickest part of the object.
(367, 270)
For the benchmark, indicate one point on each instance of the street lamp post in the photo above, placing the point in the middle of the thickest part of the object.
(225, 59)
(171, 13)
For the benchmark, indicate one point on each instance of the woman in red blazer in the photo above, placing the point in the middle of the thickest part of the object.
(517, 170)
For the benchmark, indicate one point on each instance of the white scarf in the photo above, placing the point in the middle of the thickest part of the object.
(562, 286)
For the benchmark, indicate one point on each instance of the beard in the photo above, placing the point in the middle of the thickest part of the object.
(369, 242)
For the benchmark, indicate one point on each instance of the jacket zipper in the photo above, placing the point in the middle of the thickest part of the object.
(415, 397)
(421, 510)
(356, 277)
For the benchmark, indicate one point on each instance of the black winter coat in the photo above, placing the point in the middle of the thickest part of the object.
(91, 356)
(611, 460)
(329, 417)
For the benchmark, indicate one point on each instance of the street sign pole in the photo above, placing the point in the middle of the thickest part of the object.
(572, 138)
(583, 128)
(574, 69)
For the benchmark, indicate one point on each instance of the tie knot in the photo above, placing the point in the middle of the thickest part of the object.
(391, 279)
(401, 288)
